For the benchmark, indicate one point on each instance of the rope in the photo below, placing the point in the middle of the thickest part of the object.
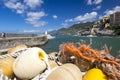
(14, 54)
(55, 58)
(2, 77)
(51, 57)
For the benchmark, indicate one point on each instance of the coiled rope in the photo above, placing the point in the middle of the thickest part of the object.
(14, 54)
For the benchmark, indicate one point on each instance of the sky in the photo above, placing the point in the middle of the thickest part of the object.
(38, 16)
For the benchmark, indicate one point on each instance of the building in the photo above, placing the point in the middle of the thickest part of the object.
(115, 19)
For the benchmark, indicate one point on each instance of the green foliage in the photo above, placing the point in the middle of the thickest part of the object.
(117, 31)
(110, 27)
(79, 27)
(74, 29)
(115, 28)
(82, 25)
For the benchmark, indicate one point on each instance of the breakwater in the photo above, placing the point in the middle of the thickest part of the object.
(7, 35)
(8, 42)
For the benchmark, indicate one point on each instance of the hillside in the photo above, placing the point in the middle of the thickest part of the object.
(74, 29)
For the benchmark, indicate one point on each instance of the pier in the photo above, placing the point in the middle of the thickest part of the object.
(8, 42)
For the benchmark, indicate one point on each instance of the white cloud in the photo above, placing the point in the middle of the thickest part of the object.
(86, 17)
(115, 9)
(64, 25)
(83, 18)
(20, 6)
(108, 12)
(30, 31)
(36, 15)
(27, 7)
(34, 18)
(97, 8)
(91, 2)
(97, 1)
(33, 3)
(69, 20)
(55, 17)
(14, 5)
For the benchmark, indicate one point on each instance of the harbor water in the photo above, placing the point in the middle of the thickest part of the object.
(97, 43)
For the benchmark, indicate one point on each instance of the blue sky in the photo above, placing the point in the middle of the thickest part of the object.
(36, 16)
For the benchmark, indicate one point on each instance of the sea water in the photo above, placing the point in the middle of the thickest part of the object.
(97, 43)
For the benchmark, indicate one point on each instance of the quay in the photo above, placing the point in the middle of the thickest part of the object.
(11, 41)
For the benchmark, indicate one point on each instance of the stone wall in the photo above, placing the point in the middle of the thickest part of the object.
(18, 35)
(6, 43)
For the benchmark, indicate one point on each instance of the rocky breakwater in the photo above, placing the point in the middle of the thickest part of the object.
(6, 43)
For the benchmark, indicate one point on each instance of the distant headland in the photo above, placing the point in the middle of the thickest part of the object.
(107, 26)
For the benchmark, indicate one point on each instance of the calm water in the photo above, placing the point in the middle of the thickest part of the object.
(97, 43)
